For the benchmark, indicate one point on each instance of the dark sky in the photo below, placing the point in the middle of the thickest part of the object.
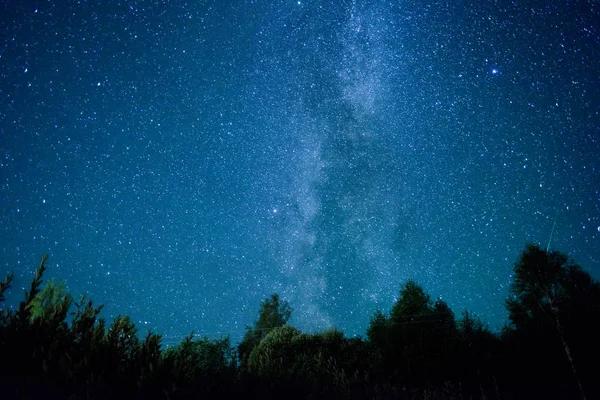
(181, 161)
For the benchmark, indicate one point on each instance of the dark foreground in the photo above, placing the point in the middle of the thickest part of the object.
(54, 347)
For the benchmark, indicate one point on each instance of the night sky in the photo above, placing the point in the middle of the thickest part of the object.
(179, 163)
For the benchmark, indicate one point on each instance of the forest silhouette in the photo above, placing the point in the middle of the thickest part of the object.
(53, 346)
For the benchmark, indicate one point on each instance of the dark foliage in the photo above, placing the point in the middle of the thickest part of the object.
(44, 355)
(273, 314)
(418, 341)
(54, 347)
(554, 313)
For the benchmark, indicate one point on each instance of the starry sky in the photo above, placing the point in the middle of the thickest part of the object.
(180, 161)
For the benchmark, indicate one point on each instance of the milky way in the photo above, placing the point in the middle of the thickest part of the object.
(180, 163)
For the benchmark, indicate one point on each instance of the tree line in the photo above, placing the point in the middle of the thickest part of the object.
(54, 346)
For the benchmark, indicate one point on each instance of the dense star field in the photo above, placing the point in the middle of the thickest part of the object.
(182, 162)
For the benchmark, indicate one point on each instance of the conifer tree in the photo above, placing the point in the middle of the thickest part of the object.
(51, 297)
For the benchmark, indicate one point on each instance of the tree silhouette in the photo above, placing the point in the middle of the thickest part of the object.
(409, 331)
(442, 342)
(378, 331)
(478, 353)
(412, 306)
(5, 284)
(273, 313)
(275, 355)
(200, 365)
(549, 349)
(326, 363)
(552, 303)
(418, 341)
(51, 297)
